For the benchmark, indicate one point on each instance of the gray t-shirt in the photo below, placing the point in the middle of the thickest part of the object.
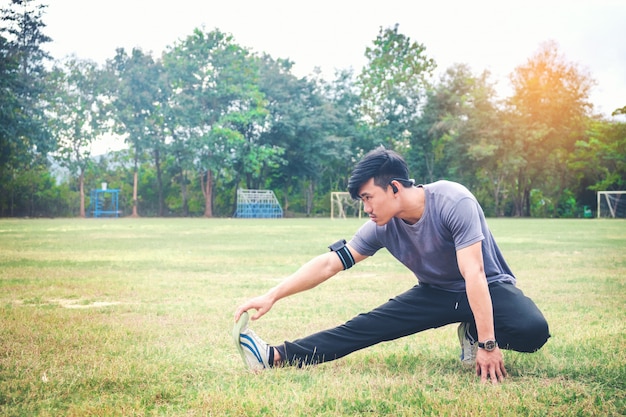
(452, 220)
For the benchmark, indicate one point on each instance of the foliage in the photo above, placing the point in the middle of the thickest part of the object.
(210, 116)
(135, 91)
(23, 134)
(550, 105)
(34, 192)
(24, 138)
(599, 160)
(392, 87)
(309, 124)
(394, 80)
(76, 116)
(218, 112)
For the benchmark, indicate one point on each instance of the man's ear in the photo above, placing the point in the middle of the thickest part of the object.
(394, 188)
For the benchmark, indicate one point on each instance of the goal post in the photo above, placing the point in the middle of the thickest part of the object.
(258, 204)
(612, 204)
(343, 206)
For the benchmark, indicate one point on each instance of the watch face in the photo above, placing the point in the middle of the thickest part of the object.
(490, 345)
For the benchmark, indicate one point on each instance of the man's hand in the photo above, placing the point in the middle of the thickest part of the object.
(490, 365)
(262, 304)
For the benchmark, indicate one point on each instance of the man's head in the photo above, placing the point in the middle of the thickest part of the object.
(380, 164)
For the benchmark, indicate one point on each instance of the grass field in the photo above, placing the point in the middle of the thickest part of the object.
(131, 317)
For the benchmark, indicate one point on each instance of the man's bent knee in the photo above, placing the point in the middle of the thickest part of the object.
(531, 335)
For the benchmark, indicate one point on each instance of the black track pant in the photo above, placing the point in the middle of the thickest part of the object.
(519, 325)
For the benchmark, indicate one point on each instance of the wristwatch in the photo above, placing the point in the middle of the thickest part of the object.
(488, 345)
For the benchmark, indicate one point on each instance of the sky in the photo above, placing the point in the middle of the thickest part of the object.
(494, 35)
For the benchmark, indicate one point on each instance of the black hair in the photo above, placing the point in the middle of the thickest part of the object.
(381, 164)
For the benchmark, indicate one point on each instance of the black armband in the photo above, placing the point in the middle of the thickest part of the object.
(343, 252)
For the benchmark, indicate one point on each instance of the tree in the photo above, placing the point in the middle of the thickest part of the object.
(550, 107)
(21, 38)
(309, 120)
(393, 85)
(24, 140)
(245, 122)
(11, 121)
(217, 111)
(159, 126)
(76, 116)
(292, 106)
(461, 136)
(347, 140)
(194, 108)
(599, 161)
(440, 133)
(135, 94)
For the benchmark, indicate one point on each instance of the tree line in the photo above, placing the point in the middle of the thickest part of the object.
(210, 116)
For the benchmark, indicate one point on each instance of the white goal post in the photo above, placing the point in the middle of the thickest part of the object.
(342, 206)
(612, 204)
(258, 204)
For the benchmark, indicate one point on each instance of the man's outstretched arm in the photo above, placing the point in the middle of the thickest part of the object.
(308, 276)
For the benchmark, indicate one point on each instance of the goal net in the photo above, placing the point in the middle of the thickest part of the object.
(260, 204)
(343, 206)
(612, 204)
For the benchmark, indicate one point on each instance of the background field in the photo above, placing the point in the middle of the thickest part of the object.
(132, 317)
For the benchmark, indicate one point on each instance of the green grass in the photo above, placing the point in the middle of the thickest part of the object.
(132, 317)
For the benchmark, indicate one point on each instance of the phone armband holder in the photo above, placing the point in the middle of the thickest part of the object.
(342, 251)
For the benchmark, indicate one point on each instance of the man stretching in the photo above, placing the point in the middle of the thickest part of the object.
(439, 232)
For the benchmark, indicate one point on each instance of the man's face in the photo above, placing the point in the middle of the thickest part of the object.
(377, 203)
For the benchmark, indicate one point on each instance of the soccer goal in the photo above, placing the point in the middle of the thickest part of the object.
(342, 206)
(612, 204)
(260, 204)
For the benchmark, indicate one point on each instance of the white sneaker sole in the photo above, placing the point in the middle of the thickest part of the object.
(240, 324)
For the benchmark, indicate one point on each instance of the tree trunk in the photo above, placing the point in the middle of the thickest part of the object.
(207, 190)
(135, 185)
(157, 164)
(183, 193)
(81, 186)
(497, 195)
(235, 181)
(309, 198)
(518, 199)
(527, 202)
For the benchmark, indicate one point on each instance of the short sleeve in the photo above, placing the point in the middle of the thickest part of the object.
(365, 240)
(463, 222)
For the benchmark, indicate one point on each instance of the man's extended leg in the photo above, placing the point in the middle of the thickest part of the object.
(418, 309)
(519, 324)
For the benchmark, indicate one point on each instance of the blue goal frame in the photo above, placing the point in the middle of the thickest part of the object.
(104, 203)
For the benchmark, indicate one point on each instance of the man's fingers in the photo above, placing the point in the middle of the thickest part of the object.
(239, 312)
(494, 377)
(482, 372)
(261, 311)
(495, 374)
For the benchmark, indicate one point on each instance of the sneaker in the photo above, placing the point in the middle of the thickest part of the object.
(468, 345)
(254, 351)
